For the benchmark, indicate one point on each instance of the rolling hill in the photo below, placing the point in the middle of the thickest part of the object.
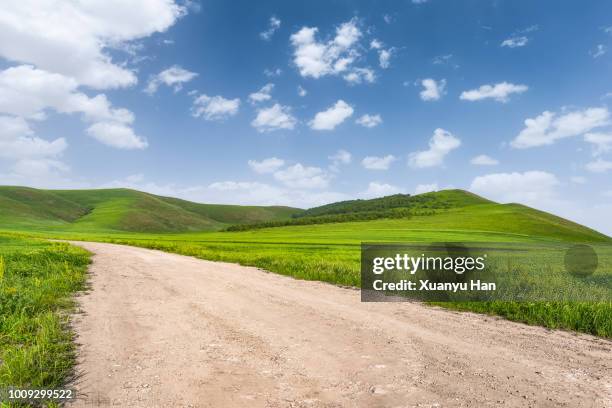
(121, 210)
(448, 212)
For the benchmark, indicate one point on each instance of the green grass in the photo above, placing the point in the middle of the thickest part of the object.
(37, 282)
(331, 252)
(121, 210)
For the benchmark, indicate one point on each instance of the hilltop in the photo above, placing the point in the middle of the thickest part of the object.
(122, 210)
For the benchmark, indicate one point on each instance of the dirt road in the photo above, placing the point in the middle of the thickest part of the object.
(163, 330)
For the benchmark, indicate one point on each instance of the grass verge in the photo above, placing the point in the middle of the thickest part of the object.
(37, 282)
(340, 264)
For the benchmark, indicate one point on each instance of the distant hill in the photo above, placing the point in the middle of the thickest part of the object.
(434, 200)
(446, 210)
(122, 210)
(125, 210)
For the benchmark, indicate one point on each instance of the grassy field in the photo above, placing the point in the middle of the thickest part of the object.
(330, 252)
(37, 282)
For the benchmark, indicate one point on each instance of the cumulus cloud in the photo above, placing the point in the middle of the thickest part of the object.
(359, 75)
(174, 77)
(441, 143)
(301, 91)
(515, 42)
(549, 127)
(425, 188)
(369, 121)
(599, 166)
(273, 25)
(31, 93)
(303, 177)
(332, 117)
(499, 92)
(378, 163)
(602, 142)
(262, 95)
(432, 89)
(116, 135)
(265, 166)
(276, 117)
(18, 142)
(484, 160)
(527, 187)
(317, 59)
(339, 158)
(72, 39)
(214, 107)
(377, 189)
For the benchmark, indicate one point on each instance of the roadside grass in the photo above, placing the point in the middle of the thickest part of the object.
(332, 255)
(37, 282)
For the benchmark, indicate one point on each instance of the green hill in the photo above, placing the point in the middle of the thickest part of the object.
(435, 200)
(121, 210)
(455, 214)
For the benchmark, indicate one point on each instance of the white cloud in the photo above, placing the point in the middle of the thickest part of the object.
(337, 56)
(378, 163)
(273, 72)
(442, 59)
(116, 135)
(419, 1)
(515, 42)
(432, 90)
(273, 118)
(301, 91)
(253, 193)
(175, 77)
(384, 58)
(376, 189)
(302, 177)
(71, 38)
(338, 158)
(369, 121)
(499, 92)
(30, 93)
(265, 166)
(376, 44)
(527, 187)
(273, 25)
(262, 95)
(425, 188)
(441, 143)
(214, 107)
(388, 18)
(548, 127)
(17, 141)
(359, 75)
(602, 142)
(578, 180)
(332, 117)
(599, 50)
(484, 160)
(599, 166)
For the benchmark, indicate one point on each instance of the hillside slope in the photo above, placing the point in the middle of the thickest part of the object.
(455, 214)
(121, 210)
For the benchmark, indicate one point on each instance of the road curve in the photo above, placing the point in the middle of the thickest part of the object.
(164, 330)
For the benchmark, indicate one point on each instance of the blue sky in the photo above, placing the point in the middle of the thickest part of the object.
(305, 103)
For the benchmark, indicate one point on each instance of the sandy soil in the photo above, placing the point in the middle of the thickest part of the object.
(164, 330)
